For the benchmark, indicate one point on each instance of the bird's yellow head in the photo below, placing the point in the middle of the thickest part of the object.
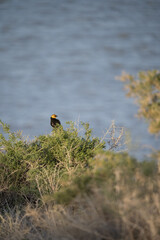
(54, 116)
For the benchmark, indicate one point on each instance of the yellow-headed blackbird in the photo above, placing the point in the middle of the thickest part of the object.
(54, 121)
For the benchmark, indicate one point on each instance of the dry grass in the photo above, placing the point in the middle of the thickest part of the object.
(129, 217)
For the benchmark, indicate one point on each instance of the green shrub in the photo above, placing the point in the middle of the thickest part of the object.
(149, 168)
(106, 170)
(65, 164)
(43, 165)
(111, 174)
(13, 156)
(146, 91)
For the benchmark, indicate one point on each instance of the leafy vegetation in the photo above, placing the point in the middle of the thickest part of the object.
(146, 90)
(26, 166)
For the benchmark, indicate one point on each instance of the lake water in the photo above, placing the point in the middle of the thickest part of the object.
(62, 56)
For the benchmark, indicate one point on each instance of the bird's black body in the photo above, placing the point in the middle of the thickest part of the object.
(54, 122)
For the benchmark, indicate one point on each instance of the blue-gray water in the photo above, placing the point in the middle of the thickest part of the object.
(62, 56)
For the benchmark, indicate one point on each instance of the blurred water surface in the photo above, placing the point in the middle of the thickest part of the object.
(62, 57)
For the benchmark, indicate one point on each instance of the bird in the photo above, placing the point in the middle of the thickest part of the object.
(54, 121)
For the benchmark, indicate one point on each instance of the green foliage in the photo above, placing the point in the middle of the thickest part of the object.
(101, 174)
(67, 148)
(65, 164)
(149, 168)
(46, 163)
(12, 158)
(146, 90)
(111, 174)
(80, 185)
